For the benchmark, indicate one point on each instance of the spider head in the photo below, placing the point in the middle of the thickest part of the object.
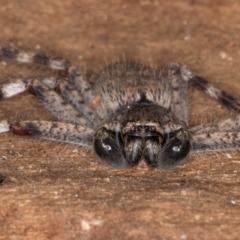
(158, 142)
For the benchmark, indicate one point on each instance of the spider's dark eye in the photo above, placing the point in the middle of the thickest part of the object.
(176, 146)
(108, 146)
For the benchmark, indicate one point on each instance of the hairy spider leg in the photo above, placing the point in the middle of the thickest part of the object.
(77, 78)
(4, 126)
(34, 58)
(216, 141)
(45, 91)
(55, 103)
(11, 87)
(221, 96)
(227, 125)
(55, 131)
(217, 136)
(69, 93)
(179, 105)
(203, 85)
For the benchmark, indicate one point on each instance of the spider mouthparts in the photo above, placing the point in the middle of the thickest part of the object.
(17, 129)
(142, 165)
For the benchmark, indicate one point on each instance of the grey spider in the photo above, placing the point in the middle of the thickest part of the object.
(132, 115)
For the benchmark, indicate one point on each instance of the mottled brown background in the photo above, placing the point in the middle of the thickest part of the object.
(60, 191)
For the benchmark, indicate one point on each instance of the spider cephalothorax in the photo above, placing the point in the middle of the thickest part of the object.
(132, 115)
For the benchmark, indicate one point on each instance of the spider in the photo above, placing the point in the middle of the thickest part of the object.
(132, 114)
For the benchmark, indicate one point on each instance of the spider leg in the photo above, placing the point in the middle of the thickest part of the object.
(11, 87)
(4, 126)
(34, 58)
(44, 91)
(56, 63)
(77, 78)
(203, 85)
(55, 131)
(215, 141)
(228, 125)
(221, 135)
(55, 103)
(73, 96)
(178, 105)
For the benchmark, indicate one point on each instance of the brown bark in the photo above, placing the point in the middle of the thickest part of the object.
(60, 191)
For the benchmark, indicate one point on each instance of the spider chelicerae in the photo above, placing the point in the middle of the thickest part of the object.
(132, 114)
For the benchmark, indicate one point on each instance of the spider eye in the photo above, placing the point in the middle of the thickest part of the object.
(176, 146)
(108, 146)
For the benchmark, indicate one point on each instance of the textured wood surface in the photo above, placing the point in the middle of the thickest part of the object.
(60, 191)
